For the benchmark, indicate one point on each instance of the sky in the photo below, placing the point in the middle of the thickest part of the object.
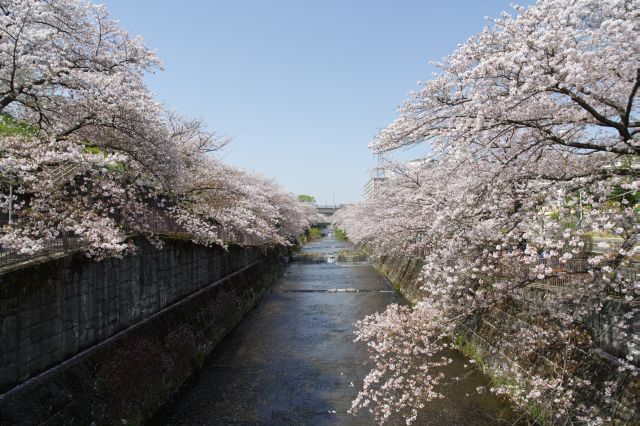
(301, 86)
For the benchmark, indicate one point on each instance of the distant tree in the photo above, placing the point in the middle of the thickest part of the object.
(306, 198)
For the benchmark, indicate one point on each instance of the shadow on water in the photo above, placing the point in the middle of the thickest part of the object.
(293, 361)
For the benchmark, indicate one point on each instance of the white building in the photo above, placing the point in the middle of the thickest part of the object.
(372, 187)
(385, 170)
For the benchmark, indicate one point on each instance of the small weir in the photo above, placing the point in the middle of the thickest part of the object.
(337, 290)
(292, 360)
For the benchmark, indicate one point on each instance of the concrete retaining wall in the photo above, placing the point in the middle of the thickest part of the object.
(106, 342)
(485, 332)
(403, 272)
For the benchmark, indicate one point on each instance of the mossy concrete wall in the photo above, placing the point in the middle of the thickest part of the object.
(107, 342)
(482, 334)
(403, 272)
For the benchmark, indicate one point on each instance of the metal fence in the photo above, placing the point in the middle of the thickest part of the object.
(569, 265)
(64, 244)
(152, 221)
(563, 272)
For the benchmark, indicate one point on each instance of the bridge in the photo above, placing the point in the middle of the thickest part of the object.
(329, 210)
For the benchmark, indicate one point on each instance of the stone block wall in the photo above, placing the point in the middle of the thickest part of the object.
(52, 310)
(403, 272)
(86, 342)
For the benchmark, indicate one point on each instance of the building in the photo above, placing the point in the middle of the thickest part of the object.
(372, 187)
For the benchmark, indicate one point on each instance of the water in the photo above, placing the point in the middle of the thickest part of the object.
(292, 360)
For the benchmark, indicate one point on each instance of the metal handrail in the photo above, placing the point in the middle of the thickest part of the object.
(154, 221)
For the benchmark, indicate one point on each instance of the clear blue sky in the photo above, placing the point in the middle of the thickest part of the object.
(301, 85)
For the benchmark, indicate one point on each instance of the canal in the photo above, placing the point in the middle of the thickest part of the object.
(292, 360)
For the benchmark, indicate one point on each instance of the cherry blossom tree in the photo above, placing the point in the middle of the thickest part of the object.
(87, 151)
(535, 135)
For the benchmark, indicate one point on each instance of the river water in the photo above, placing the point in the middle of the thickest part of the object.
(292, 360)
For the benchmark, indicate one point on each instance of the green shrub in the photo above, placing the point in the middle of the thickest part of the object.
(314, 233)
(12, 127)
(341, 234)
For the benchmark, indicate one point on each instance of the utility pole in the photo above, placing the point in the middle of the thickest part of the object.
(380, 167)
(580, 200)
(10, 203)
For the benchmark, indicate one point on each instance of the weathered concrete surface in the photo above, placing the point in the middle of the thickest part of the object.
(55, 309)
(292, 359)
(124, 378)
(403, 272)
